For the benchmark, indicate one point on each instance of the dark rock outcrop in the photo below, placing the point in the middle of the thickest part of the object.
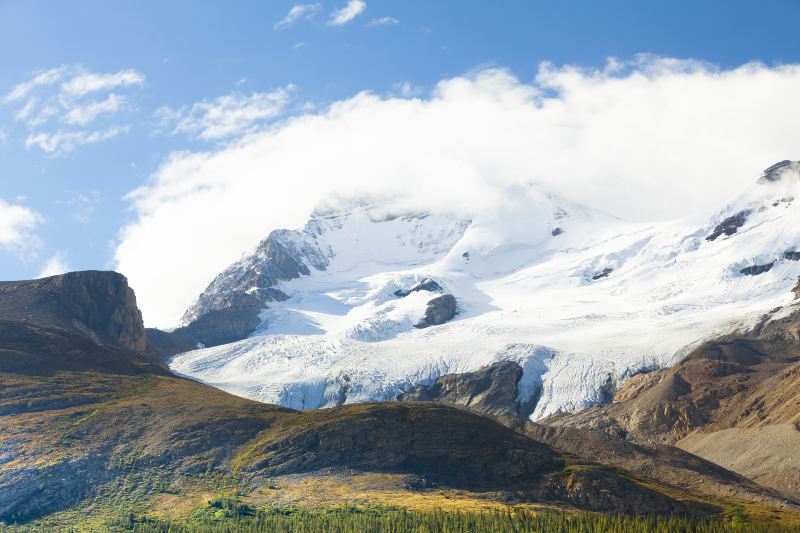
(730, 225)
(602, 273)
(556, 232)
(236, 318)
(169, 343)
(440, 310)
(773, 173)
(426, 284)
(221, 327)
(98, 305)
(792, 255)
(490, 390)
(755, 270)
(796, 290)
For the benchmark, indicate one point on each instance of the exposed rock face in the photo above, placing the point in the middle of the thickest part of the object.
(98, 305)
(168, 343)
(228, 309)
(491, 390)
(796, 290)
(755, 270)
(282, 256)
(439, 310)
(730, 225)
(775, 172)
(426, 284)
(556, 232)
(221, 327)
(791, 255)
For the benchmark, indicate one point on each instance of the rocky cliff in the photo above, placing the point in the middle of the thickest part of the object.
(98, 305)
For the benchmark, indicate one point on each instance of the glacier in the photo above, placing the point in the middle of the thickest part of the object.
(580, 299)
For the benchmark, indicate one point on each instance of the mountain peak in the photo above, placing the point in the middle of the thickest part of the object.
(778, 170)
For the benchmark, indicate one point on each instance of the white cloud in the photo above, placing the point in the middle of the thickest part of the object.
(383, 21)
(344, 15)
(55, 265)
(3, 136)
(227, 116)
(17, 224)
(300, 11)
(653, 138)
(48, 77)
(84, 84)
(74, 96)
(84, 114)
(63, 142)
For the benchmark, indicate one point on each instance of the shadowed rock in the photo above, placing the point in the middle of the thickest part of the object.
(439, 310)
(491, 390)
(98, 305)
(730, 225)
(755, 270)
(774, 172)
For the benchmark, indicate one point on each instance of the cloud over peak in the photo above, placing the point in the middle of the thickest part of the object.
(609, 137)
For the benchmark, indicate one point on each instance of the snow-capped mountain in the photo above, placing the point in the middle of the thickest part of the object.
(580, 299)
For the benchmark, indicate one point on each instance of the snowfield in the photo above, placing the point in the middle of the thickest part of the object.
(580, 299)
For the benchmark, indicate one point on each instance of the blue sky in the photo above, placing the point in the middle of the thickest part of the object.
(154, 60)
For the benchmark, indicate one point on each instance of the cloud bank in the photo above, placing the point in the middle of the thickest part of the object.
(647, 139)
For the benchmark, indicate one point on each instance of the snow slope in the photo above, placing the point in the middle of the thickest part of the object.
(580, 299)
